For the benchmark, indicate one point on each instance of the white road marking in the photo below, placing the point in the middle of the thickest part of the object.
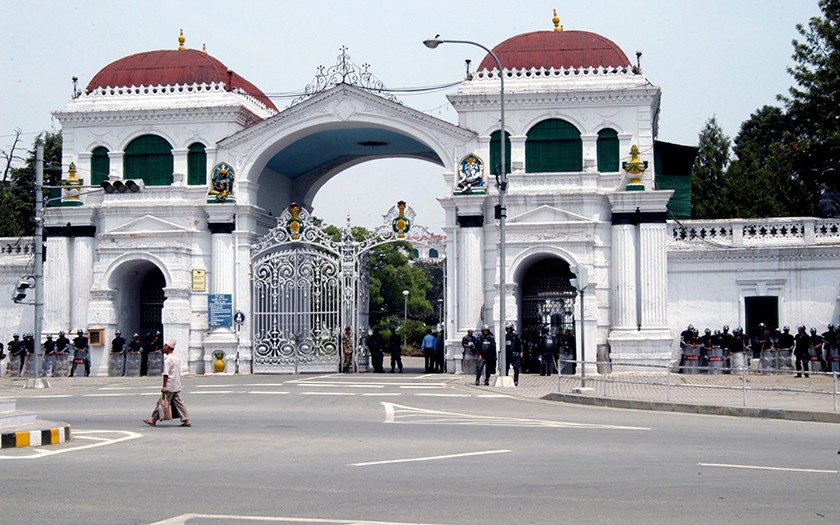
(328, 393)
(268, 392)
(214, 386)
(420, 416)
(100, 438)
(780, 469)
(202, 392)
(422, 387)
(422, 394)
(52, 396)
(492, 395)
(340, 385)
(382, 394)
(430, 458)
(192, 518)
(106, 395)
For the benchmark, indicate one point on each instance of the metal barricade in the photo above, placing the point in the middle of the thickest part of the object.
(14, 366)
(29, 366)
(715, 356)
(567, 363)
(834, 360)
(815, 359)
(133, 361)
(47, 365)
(154, 366)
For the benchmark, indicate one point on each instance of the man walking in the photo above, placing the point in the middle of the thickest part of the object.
(171, 386)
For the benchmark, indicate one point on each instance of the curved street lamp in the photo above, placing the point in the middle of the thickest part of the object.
(433, 43)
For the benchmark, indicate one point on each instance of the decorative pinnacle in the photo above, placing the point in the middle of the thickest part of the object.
(181, 41)
(556, 20)
(204, 48)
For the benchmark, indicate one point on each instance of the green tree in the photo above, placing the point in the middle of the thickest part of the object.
(708, 173)
(814, 102)
(17, 195)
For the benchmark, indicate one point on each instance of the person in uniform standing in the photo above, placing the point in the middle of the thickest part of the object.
(785, 348)
(49, 356)
(817, 346)
(427, 347)
(547, 346)
(486, 347)
(376, 347)
(801, 345)
(171, 387)
(347, 350)
(15, 347)
(118, 348)
(468, 344)
(513, 352)
(61, 343)
(82, 353)
(394, 345)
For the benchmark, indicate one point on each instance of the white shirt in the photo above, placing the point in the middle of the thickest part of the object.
(172, 371)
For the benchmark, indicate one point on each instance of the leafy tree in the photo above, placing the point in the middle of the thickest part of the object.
(17, 195)
(814, 102)
(708, 173)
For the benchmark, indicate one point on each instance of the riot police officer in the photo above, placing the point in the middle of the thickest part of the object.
(82, 355)
(486, 347)
(817, 349)
(16, 349)
(801, 346)
(785, 348)
(376, 346)
(547, 347)
(513, 352)
(135, 345)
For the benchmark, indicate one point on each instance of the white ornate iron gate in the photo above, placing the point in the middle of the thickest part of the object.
(307, 287)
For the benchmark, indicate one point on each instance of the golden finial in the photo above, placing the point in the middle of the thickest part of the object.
(181, 41)
(204, 48)
(556, 20)
(72, 171)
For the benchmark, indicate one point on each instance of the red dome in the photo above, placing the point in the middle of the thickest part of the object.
(169, 67)
(557, 49)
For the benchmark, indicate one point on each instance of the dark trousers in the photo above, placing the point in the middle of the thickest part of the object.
(377, 358)
(546, 364)
(481, 364)
(429, 359)
(802, 363)
(439, 361)
(396, 359)
(516, 363)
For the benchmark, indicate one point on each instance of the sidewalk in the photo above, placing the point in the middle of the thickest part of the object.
(780, 396)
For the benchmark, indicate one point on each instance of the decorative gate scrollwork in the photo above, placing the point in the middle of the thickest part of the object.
(308, 286)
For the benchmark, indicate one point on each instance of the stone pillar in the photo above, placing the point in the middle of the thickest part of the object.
(117, 159)
(222, 275)
(469, 269)
(82, 279)
(57, 279)
(624, 300)
(639, 331)
(517, 153)
(654, 276)
(176, 317)
(180, 165)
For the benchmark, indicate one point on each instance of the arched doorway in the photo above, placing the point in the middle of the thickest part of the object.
(151, 304)
(548, 298)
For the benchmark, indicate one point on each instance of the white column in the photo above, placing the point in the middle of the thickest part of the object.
(57, 279)
(116, 159)
(517, 153)
(653, 260)
(82, 278)
(223, 258)
(470, 277)
(624, 277)
(179, 166)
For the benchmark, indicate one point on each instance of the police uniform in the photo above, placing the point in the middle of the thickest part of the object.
(513, 353)
(547, 347)
(486, 348)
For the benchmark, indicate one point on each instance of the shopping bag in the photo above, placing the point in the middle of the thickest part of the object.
(163, 408)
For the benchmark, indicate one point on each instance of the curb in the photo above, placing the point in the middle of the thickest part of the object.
(714, 410)
(36, 438)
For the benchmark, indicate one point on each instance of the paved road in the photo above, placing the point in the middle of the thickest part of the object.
(404, 449)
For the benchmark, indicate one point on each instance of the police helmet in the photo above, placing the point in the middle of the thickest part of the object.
(813, 330)
(831, 326)
(485, 327)
(118, 332)
(691, 328)
(49, 336)
(707, 330)
(60, 333)
(717, 331)
(157, 332)
(739, 330)
(136, 335)
(508, 326)
(786, 328)
(801, 328)
(15, 334)
(79, 331)
(469, 330)
(726, 328)
(762, 326)
(545, 329)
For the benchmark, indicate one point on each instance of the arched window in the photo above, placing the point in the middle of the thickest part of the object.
(553, 146)
(495, 159)
(149, 158)
(100, 165)
(415, 253)
(197, 165)
(433, 254)
(608, 151)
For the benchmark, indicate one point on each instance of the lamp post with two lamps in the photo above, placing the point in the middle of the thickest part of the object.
(502, 182)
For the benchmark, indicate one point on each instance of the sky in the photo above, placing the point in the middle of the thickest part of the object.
(711, 58)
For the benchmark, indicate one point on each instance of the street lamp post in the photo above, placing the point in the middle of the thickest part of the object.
(581, 281)
(405, 318)
(502, 180)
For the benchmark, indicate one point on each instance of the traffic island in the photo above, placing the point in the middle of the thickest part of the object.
(23, 429)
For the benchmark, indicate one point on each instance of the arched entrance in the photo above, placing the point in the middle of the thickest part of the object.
(548, 298)
(151, 304)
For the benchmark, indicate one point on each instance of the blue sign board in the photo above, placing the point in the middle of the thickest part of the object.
(219, 309)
